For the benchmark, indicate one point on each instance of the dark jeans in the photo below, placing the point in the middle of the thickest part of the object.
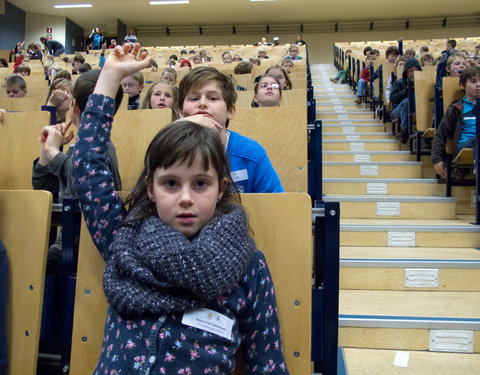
(3, 309)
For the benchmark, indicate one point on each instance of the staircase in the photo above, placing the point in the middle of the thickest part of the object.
(410, 264)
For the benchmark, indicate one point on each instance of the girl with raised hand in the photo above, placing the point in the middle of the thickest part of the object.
(181, 255)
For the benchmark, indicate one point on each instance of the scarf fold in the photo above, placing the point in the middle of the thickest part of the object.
(154, 269)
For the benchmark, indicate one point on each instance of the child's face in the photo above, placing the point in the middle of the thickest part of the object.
(207, 101)
(197, 60)
(411, 71)
(262, 54)
(170, 77)
(370, 60)
(294, 52)
(237, 58)
(186, 196)
(428, 60)
(268, 94)
(24, 73)
(409, 54)
(76, 64)
(14, 91)
(227, 59)
(288, 65)
(456, 67)
(278, 74)
(448, 47)
(131, 86)
(392, 58)
(472, 88)
(162, 96)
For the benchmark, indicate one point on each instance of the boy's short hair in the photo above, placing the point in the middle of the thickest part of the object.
(255, 60)
(4, 62)
(15, 79)
(452, 42)
(170, 70)
(24, 68)
(65, 74)
(348, 51)
(374, 52)
(59, 83)
(173, 57)
(171, 62)
(202, 76)
(79, 58)
(243, 67)
(401, 58)
(153, 63)
(469, 73)
(191, 52)
(424, 49)
(366, 50)
(85, 67)
(183, 52)
(138, 76)
(85, 85)
(392, 50)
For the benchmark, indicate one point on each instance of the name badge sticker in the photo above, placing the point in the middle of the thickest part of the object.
(239, 175)
(210, 321)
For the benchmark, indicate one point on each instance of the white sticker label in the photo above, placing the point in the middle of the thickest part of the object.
(401, 359)
(377, 188)
(352, 137)
(369, 170)
(403, 239)
(210, 321)
(362, 158)
(345, 123)
(357, 146)
(388, 208)
(335, 100)
(340, 111)
(343, 117)
(239, 175)
(338, 107)
(348, 129)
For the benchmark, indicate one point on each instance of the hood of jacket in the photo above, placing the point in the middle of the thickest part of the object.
(410, 62)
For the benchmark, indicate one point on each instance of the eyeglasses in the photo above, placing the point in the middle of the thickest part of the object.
(128, 85)
(264, 85)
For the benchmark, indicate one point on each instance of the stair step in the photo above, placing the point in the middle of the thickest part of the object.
(383, 186)
(344, 115)
(410, 233)
(360, 146)
(352, 129)
(367, 156)
(394, 206)
(375, 361)
(398, 169)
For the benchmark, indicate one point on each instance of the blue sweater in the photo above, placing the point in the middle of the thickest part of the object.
(251, 169)
(164, 345)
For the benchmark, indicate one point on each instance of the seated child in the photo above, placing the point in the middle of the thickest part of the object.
(153, 65)
(82, 68)
(133, 86)
(78, 60)
(399, 67)
(342, 74)
(15, 86)
(456, 63)
(113, 44)
(59, 99)
(282, 76)
(170, 75)
(410, 53)
(197, 59)
(63, 74)
(423, 49)
(288, 65)
(293, 53)
(243, 67)
(364, 78)
(262, 54)
(185, 62)
(3, 63)
(267, 92)
(227, 58)
(24, 70)
(399, 97)
(171, 63)
(161, 94)
(458, 122)
(209, 93)
(255, 60)
(237, 58)
(426, 59)
(442, 61)
(53, 169)
(182, 207)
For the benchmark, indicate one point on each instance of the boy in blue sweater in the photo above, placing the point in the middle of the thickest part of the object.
(210, 97)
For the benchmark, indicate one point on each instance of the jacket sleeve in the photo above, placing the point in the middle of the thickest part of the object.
(399, 92)
(259, 326)
(92, 179)
(444, 131)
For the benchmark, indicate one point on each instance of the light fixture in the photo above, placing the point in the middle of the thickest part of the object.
(169, 2)
(59, 6)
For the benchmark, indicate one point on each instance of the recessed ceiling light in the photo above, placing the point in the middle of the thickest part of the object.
(73, 6)
(169, 2)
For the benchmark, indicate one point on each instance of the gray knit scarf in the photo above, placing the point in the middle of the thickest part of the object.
(154, 269)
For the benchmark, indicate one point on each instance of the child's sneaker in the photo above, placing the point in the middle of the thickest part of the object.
(334, 80)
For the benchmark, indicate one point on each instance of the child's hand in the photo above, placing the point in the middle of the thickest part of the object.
(440, 169)
(121, 62)
(51, 138)
(58, 97)
(208, 123)
(2, 111)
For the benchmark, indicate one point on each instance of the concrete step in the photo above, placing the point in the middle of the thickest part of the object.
(343, 115)
(376, 361)
(404, 320)
(356, 136)
(410, 269)
(381, 169)
(394, 206)
(383, 186)
(360, 146)
(368, 156)
(353, 129)
(458, 233)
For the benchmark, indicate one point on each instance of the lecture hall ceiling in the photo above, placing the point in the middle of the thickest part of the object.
(235, 12)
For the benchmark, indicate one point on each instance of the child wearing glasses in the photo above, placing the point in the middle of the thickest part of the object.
(267, 92)
(133, 86)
